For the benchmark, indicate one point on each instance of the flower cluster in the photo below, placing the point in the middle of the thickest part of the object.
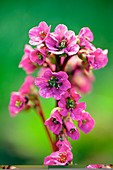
(65, 62)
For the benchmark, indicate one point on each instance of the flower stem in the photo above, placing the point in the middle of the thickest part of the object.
(65, 62)
(39, 111)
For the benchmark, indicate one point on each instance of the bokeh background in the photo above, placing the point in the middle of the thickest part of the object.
(23, 139)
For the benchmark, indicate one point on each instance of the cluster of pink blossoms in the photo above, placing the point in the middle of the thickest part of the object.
(66, 62)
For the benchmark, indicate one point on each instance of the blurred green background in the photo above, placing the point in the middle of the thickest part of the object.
(23, 139)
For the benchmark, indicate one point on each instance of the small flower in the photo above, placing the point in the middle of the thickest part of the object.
(62, 41)
(95, 166)
(86, 33)
(80, 78)
(69, 104)
(39, 33)
(53, 84)
(26, 63)
(98, 58)
(38, 55)
(86, 123)
(54, 122)
(59, 158)
(71, 130)
(63, 144)
(17, 103)
(27, 85)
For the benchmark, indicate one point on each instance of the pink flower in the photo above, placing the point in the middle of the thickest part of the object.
(38, 55)
(26, 63)
(63, 144)
(71, 130)
(53, 84)
(17, 103)
(39, 33)
(69, 104)
(27, 85)
(84, 37)
(86, 123)
(62, 41)
(80, 78)
(86, 33)
(98, 58)
(59, 158)
(54, 122)
(95, 166)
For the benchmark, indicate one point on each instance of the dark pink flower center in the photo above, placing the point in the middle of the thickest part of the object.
(62, 157)
(70, 103)
(53, 82)
(18, 103)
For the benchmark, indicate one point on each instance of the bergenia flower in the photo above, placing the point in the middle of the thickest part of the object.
(27, 85)
(17, 103)
(59, 158)
(86, 124)
(84, 37)
(86, 33)
(53, 84)
(98, 58)
(80, 78)
(69, 104)
(26, 63)
(38, 55)
(63, 144)
(62, 41)
(95, 166)
(39, 33)
(71, 130)
(54, 122)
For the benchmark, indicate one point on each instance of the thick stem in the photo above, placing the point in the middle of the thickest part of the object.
(39, 111)
(58, 64)
(65, 62)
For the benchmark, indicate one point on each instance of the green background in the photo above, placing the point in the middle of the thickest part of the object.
(23, 139)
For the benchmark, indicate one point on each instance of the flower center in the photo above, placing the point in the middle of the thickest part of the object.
(84, 121)
(54, 121)
(72, 130)
(70, 103)
(40, 57)
(42, 34)
(53, 82)
(18, 104)
(62, 157)
(62, 44)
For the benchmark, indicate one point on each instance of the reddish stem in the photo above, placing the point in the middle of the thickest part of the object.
(39, 111)
(65, 62)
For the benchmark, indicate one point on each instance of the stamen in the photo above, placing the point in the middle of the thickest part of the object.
(40, 57)
(54, 121)
(53, 82)
(62, 44)
(62, 157)
(84, 121)
(42, 34)
(70, 103)
(18, 103)
(72, 130)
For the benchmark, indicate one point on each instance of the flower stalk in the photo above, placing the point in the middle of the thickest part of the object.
(65, 64)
